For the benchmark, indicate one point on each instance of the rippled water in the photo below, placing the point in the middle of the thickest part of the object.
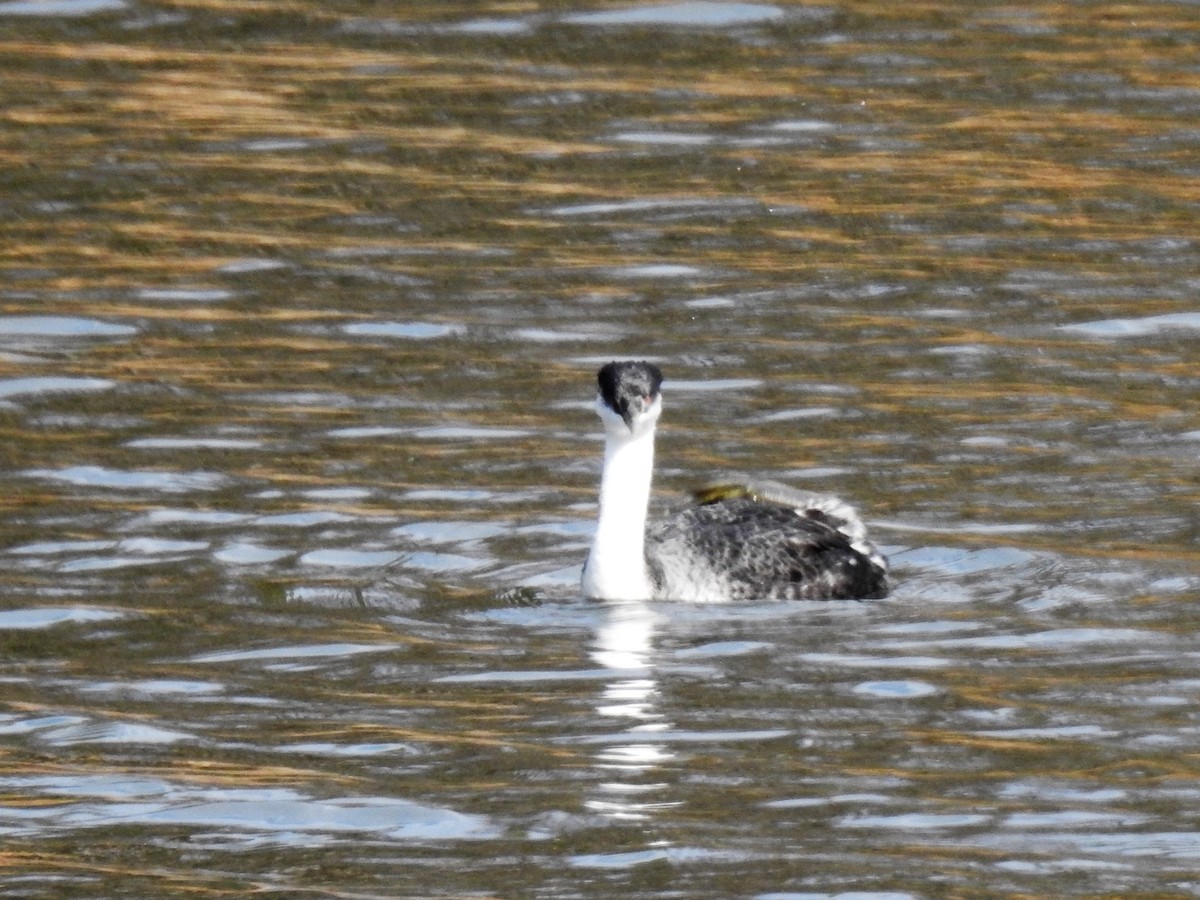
(299, 315)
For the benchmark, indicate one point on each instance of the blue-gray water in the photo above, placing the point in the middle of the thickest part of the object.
(300, 309)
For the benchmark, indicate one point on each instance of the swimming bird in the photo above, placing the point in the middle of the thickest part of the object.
(743, 541)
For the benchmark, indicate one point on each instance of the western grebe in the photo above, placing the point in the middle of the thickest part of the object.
(742, 542)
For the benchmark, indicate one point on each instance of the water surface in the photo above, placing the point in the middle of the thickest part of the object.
(299, 315)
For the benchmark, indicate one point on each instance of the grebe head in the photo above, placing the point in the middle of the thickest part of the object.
(629, 401)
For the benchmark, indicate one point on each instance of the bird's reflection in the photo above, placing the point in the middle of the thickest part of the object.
(625, 644)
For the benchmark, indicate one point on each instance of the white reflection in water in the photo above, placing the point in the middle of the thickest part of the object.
(1149, 325)
(51, 384)
(286, 815)
(194, 443)
(118, 479)
(624, 640)
(633, 698)
(896, 690)
(60, 326)
(686, 15)
(625, 645)
(245, 553)
(27, 619)
(409, 330)
(122, 733)
(185, 295)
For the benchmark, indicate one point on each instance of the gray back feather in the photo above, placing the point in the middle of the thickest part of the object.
(744, 547)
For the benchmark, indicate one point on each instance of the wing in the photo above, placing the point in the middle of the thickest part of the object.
(841, 514)
(742, 548)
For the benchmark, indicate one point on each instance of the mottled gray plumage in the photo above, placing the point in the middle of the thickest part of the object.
(746, 549)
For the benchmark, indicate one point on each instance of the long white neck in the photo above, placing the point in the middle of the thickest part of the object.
(616, 566)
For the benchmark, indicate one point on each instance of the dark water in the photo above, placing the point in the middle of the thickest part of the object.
(300, 308)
